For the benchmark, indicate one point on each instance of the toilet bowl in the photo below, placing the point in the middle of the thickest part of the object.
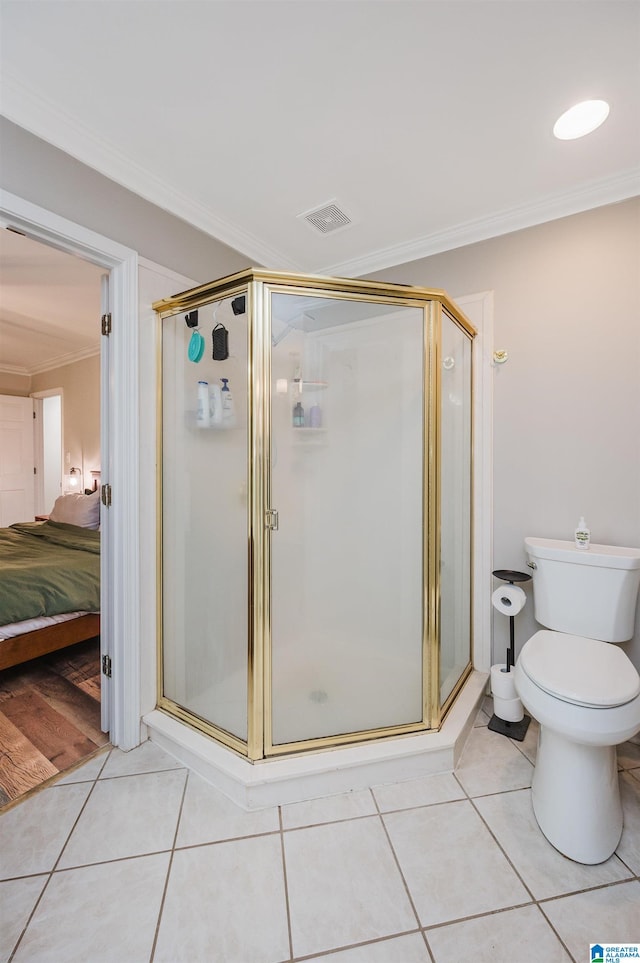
(582, 689)
(586, 696)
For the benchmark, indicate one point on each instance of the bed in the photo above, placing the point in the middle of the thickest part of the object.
(50, 580)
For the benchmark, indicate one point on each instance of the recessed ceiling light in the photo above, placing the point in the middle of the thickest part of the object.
(581, 119)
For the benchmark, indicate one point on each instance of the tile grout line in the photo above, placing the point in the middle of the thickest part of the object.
(494, 837)
(503, 851)
(170, 864)
(402, 877)
(552, 899)
(53, 868)
(326, 954)
(286, 882)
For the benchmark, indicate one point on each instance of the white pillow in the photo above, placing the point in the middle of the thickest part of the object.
(77, 509)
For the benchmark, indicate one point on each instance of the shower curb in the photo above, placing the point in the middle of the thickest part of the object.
(297, 778)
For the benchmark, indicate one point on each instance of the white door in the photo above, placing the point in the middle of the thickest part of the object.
(16, 460)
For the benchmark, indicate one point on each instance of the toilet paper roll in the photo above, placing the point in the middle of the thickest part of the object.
(509, 710)
(506, 704)
(503, 683)
(509, 599)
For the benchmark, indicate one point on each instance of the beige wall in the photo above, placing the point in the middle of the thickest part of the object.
(14, 384)
(567, 402)
(80, 383)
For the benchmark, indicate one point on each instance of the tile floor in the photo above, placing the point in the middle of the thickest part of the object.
(132, 859)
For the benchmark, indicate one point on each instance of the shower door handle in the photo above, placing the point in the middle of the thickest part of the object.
(271, 519)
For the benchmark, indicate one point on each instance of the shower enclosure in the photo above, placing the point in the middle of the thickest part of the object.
(315, 518)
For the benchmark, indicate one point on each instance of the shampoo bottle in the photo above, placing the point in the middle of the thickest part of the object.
(202, 411)
(228, 410)
(298, 415)
(315, 417)
(583, 535)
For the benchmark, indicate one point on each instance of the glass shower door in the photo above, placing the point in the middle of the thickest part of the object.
(347, 572)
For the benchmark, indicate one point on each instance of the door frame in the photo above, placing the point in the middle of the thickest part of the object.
(120, 596)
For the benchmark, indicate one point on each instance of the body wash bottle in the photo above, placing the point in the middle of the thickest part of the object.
(583, 535)
(228, 408)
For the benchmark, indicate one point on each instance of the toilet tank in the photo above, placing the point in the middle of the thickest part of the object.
(588, 592)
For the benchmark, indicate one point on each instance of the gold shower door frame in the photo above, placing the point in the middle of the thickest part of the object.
(258, 286)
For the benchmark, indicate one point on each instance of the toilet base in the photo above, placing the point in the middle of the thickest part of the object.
(515, 730)
(576, 797)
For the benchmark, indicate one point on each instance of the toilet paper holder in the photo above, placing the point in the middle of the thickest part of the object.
(514, 730)
(508, 575)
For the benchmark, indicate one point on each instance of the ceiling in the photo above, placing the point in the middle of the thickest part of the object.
(427, 123)
(49, 306)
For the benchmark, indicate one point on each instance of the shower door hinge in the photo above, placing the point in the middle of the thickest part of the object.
(271, 519)
(106, 495)
(106, 324)
(106, 666)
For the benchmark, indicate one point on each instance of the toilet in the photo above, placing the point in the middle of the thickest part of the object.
(583, 690)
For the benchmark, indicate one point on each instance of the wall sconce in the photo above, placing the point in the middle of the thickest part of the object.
(74, 480)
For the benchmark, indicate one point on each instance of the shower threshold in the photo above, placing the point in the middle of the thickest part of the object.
(297, 778)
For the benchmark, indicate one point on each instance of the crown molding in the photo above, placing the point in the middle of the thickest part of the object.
(60, 362)
(14, 369)
(586, 197)
(64, 359)
(46, 120)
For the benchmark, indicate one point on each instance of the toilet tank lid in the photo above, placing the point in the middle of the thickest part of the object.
(604, 556)
(578, 670)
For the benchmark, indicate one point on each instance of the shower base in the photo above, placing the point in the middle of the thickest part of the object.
(297, 778)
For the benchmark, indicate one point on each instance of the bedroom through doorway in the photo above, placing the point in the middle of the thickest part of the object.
(50, 678)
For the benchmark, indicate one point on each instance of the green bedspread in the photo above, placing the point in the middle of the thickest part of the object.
(48, 568)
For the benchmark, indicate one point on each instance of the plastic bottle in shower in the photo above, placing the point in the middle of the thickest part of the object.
(298, 415)
(315, 416)
(202, 411)
(215, 406)
(228, 409)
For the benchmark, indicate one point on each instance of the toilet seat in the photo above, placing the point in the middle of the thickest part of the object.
(580, 671)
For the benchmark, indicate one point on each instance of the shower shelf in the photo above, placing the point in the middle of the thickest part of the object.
(301, 386)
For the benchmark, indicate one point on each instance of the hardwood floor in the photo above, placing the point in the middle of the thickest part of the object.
(49, 717)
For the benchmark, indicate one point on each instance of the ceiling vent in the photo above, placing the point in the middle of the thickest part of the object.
(327, 218)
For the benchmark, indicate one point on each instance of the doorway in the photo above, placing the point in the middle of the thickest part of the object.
(47, 426)
(50, 687)
(120, 572)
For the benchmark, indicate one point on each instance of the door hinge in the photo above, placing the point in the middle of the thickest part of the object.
(106, 666)
(105, 495)
(35, 470)
(271, 519)
(106, 324)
